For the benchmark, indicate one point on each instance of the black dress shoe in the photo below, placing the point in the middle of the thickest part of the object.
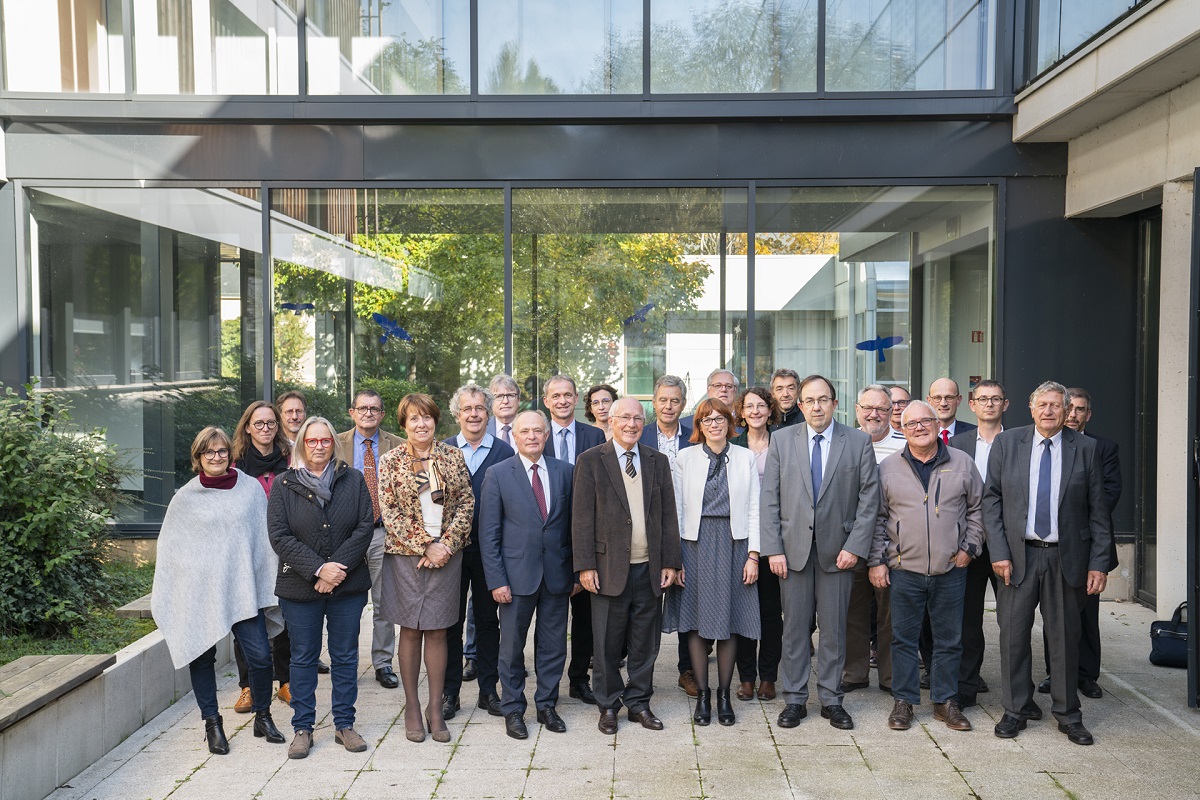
(1089, 688)
(490, 701)
(847, 687)
(838, 717)
(387, 678)
(608, 721)
(450, 706)
(967, 700)
(1076, 733)
(550, 720)
(264, 727)
(1044, 686)
(725, 714)
(469, 670)
(322, 667)
(983, 687)
(1032, 711)
(791, 715)
(214, 732)
(1009, 726)
(647, 719)
(924, 680)
(582, 692)
(703, 713)
(514, 726)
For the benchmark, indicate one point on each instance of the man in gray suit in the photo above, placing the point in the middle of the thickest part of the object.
(820, 498)
(1048, 533)
(525, 541)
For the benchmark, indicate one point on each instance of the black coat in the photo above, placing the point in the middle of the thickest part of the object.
(499, 452)
(305, 535)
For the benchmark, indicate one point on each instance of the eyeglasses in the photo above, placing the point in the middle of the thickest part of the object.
(217, 455)
(505, 396)
(989, 401)
(913, 424)
(368, 411)
(900, 403)
(874, 409)
(944, 398)
(809, 402)
(473, 409)
(319, 443)
(712, 421)
(265, 425)
(625, 419)
(725, 386)
(602, 401)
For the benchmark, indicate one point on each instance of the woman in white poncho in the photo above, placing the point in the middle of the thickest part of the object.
(215, 573)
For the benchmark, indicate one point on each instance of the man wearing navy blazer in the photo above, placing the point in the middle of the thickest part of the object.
(471, 406)
(1048, 534)
(569, 439)
(945, 398)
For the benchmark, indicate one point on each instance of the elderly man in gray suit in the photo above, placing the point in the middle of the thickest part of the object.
(1048, 533)
(820, 498)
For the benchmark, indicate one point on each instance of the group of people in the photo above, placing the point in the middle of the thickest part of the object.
(743, 528)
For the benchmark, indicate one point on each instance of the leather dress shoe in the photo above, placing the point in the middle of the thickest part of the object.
(849, 686)
(1076, 733)
(608, 721)
(766, 690)
(950, 713)
(322, 667)
(687, 682)
(745, 690)
(450, 706)
(983, 687)
(245, 703)
(967, 700)
(550, 720)
(514, 726)
(470, 671)
(264, 728)
(1044, 686)
(1089, 688)
(924, 680)
(647, 719)
(791, 715)
(901, 717)
(582, 692)
(838, 717)
(491, 702)
(285, 693)
(214, 734)
(1032, 711)
(1009, 726)
(387, 678)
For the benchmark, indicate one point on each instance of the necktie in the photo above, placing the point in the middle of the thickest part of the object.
(563, 453)
(630, 470)
(946, 436)
(816, 467)
(504, 434)
(539, 493)
(372, 478)
(1041, 516)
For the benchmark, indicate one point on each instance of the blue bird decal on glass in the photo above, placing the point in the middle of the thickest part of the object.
(879, 344)
(639, 315)
(299, 308)
(391, 329)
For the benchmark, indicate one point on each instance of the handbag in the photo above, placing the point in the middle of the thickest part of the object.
(1169, 639)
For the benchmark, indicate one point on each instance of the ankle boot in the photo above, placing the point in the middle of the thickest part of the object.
(725, 714)
(265, 726)
(703, 715)
(215, 734)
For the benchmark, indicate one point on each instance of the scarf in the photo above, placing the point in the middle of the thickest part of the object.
(254, 463)
(226, 481)
(320, 485)
(716, 461)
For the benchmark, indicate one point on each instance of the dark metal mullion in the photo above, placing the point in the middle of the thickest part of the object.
(302, 50)
(508, 280)
(999, 212)
(645, 49)
(751, 223)
(1193, 527)
(27, 305)
(268, 290)
(722, 242)
(127, 46)
(821, 47)
(474, 6)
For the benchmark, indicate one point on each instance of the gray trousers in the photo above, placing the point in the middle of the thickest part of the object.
(1044, 587)
(827, 594)
(858, 631)
(383, 633)
(634, 619)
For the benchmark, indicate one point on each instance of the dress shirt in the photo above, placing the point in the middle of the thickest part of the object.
(669, 445)
(505, 436)
(542, 475)
(826, 436)
(950, 430)
(360, 449)
(1035, 463)
(556, 437)
(475, 456)
(885, 447)
(637, 458)
(982, 451)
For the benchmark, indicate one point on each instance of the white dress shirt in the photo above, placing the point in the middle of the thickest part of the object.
(557, 436)
(542, 475)
(982, 451)
(826, 435)
(621, 451)
(1035, 462)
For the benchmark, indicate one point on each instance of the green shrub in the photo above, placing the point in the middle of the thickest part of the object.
(58, 491)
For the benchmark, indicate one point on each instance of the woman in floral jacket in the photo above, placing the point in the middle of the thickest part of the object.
(426, 502)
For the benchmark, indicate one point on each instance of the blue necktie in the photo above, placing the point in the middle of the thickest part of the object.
(1041, 516)
(816, 467)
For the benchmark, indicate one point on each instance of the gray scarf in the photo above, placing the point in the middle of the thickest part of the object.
(320, 485)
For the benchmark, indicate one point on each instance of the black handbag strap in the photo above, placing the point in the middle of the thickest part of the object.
(1177, 617)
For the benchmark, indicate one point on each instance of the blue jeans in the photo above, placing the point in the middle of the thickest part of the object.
(305, 621)
(942, 595)
(251, 634)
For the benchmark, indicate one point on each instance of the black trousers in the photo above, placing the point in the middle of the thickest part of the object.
(1089, 639)
(281, 660)
(760, 659)
(633, 620)
(581, 638)
(487, 629)
(979, 575)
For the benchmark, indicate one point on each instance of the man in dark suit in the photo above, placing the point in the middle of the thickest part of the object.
(1048, 533)
(569, 439)
(945, 398)
(471, 406)
(820, 499)
(525, 539)
(1079, 413)
(625, 534)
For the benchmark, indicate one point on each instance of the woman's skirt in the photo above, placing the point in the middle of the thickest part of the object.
(423, 599)
(713, 601)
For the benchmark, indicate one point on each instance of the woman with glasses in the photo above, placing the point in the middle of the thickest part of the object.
(597, 402)
(757, 411)
(427, 504)
(320, 520)
(215, 573)
(716, 497)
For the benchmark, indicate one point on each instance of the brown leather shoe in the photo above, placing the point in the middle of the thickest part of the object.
(687, 682)
(285, 693)
(608, 721)
(245, 703)
(349, 739)
(766, 690)
(647, 719)
(300, 745)
(746, 691)
(901, 717)
(949, 713)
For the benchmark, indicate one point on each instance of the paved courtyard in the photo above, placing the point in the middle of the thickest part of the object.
(1147, 741)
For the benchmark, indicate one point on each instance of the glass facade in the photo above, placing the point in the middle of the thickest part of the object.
(64, 47)
(1060, 27)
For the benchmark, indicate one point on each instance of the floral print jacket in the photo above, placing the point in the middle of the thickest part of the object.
(400, 505)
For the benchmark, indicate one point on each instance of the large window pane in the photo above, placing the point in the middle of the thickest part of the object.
(389, 47)
(73, 46)
(621, 286)
(149, 320)
(215, 47)
(396, 290)
(733, 46)
(876, 285)
(552, 47)
(1061, 27)
(909, 45)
